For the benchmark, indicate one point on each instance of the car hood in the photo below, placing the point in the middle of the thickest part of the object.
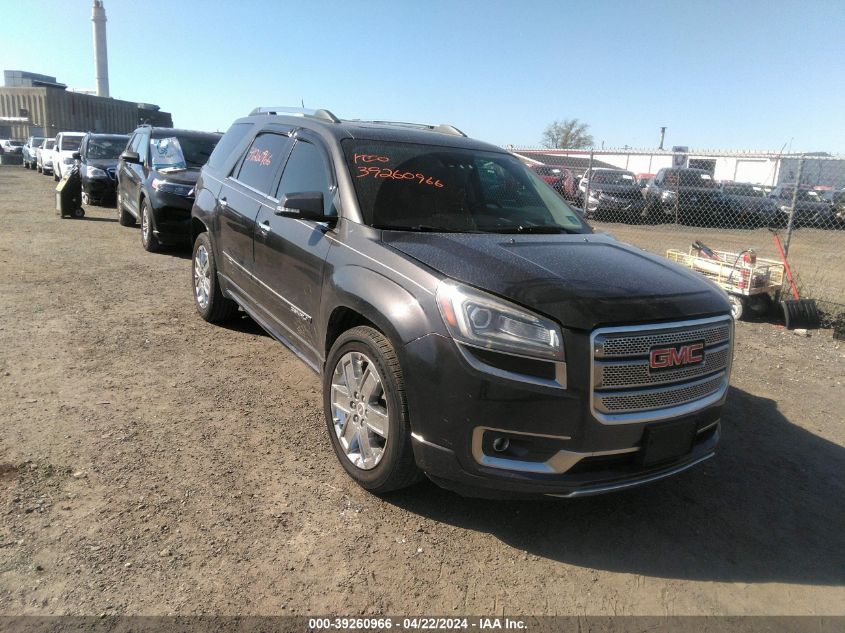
(804, 205)
(697, 191)
(184, 176)
(752, 201)
(583, 281)
(616, 190)
(102, 163)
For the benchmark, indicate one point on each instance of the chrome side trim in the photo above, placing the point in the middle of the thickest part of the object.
(259, 320)
(557, 464)
(293, 308)
(559, 381)
(597, 490)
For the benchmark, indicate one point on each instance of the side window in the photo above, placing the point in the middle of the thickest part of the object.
(263, 159)
(227, 144)
(133, 143)
(143, 147)
(307, 171)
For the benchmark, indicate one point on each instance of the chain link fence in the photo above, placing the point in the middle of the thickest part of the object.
(727, 215)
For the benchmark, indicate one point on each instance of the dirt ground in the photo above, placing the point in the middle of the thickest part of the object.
(151, 463)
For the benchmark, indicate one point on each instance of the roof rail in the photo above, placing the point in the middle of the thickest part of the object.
(443, 128)
(321, 113)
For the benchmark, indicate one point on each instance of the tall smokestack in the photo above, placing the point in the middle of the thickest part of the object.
(662, 137)
(101, 55)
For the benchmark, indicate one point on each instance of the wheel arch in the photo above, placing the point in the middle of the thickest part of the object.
(360, 296)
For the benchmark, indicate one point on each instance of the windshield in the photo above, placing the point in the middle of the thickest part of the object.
(405, 186)
(71, 143)
(690, 179)
(745, 190)
(176, 153)
(16, 143)
(612, 178)
(49, 144)
(99, 148)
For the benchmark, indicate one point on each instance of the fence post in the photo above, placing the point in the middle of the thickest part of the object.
(791, 221)
(584, 202)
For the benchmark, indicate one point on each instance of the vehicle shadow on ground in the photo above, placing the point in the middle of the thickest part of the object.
(244, 324)
(92, 219)
(768, 508)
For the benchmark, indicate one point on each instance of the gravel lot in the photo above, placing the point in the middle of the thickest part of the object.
(151, 463)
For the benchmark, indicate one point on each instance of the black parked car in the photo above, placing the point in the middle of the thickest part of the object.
(614, 194)
(688, 195)
(465, 322)
(749, 205)
(98, 156)
(156, 175)
(837, 200)
(811, 208)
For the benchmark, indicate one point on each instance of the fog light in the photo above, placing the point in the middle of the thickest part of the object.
(501, 444)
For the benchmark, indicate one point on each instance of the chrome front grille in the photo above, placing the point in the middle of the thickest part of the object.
(633, 373)
(632, 343)
(625, 389)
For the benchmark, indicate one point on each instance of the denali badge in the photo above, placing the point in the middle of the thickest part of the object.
(674, 356)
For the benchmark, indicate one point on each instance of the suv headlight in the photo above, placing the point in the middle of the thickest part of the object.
(178, 188)
(668, 195)
(94, 172)
(482, 320)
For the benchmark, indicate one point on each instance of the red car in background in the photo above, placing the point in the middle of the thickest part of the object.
(558, 178)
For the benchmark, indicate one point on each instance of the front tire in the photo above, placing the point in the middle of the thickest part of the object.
(208, 299)
(124, 218)
(737, 307)
(367, 412)
(148, 238)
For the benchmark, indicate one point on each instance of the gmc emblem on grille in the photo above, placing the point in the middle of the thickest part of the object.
(674, 356)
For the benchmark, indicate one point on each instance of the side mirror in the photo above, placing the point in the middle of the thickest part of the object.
(131, 157)
(77, 156)
(303, 205)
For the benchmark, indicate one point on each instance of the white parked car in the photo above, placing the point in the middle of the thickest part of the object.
(32, 144)
(67, 143)
(44, 156)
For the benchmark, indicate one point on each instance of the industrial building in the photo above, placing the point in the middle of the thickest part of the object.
(32, 104)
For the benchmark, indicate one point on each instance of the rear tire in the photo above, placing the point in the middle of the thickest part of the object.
(208, 299)
(355, 353)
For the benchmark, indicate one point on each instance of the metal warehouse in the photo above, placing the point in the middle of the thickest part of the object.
(32, 104)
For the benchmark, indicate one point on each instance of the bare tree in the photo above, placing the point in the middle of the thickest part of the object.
(567, 134)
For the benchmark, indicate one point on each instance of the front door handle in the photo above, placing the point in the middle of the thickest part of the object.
(264, 227)
(224, 203)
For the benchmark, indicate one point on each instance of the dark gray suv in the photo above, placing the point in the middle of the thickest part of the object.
(466, 323)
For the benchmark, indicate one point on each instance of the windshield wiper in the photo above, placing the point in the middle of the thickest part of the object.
(548, 229)
(423, 228)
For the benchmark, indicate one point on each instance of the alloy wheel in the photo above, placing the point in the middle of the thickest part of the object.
(202, 277)
(145, 224)
(359, 410)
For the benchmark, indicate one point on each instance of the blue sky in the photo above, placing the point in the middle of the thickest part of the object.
(740, 75)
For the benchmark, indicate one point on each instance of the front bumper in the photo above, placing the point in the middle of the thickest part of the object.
(172, 218)
(617, 207)
(101, 191)
(558, 447)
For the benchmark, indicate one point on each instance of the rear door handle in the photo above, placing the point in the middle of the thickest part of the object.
(264, 227)
(224, 203)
